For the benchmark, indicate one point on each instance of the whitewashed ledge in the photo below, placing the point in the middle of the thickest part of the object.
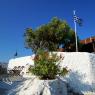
(81, 77)
(34, 86)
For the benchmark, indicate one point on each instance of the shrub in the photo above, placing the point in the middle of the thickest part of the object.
(45, 65)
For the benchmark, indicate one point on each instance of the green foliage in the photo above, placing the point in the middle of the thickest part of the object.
(63, 72)
(45, 66)
(50, 36)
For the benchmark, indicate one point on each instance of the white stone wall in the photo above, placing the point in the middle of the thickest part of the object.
(81, 65)
(21, 61)
(82, 70)
(92, 61)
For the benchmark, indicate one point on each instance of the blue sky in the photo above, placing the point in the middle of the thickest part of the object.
(17, 15)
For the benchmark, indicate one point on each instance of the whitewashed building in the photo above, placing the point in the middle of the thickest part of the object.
(21, 63)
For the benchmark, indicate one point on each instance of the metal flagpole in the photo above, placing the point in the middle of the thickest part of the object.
(74, 12)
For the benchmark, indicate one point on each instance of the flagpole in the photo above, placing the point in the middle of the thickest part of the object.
(74, 12)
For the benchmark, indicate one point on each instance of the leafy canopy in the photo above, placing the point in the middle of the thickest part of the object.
(50, 36)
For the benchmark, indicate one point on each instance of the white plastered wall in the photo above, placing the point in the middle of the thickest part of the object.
(80, 65)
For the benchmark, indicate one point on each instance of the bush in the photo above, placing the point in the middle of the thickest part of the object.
(45, 65)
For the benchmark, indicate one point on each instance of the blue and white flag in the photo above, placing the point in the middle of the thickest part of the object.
(78, 20)
(16, 54)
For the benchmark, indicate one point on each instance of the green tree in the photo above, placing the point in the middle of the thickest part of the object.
(50, 36)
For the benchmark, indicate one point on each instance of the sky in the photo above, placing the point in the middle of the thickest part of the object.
(17, 15)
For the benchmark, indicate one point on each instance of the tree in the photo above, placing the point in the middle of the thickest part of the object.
(50, 36)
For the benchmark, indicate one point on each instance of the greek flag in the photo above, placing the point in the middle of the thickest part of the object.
(78, 20)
